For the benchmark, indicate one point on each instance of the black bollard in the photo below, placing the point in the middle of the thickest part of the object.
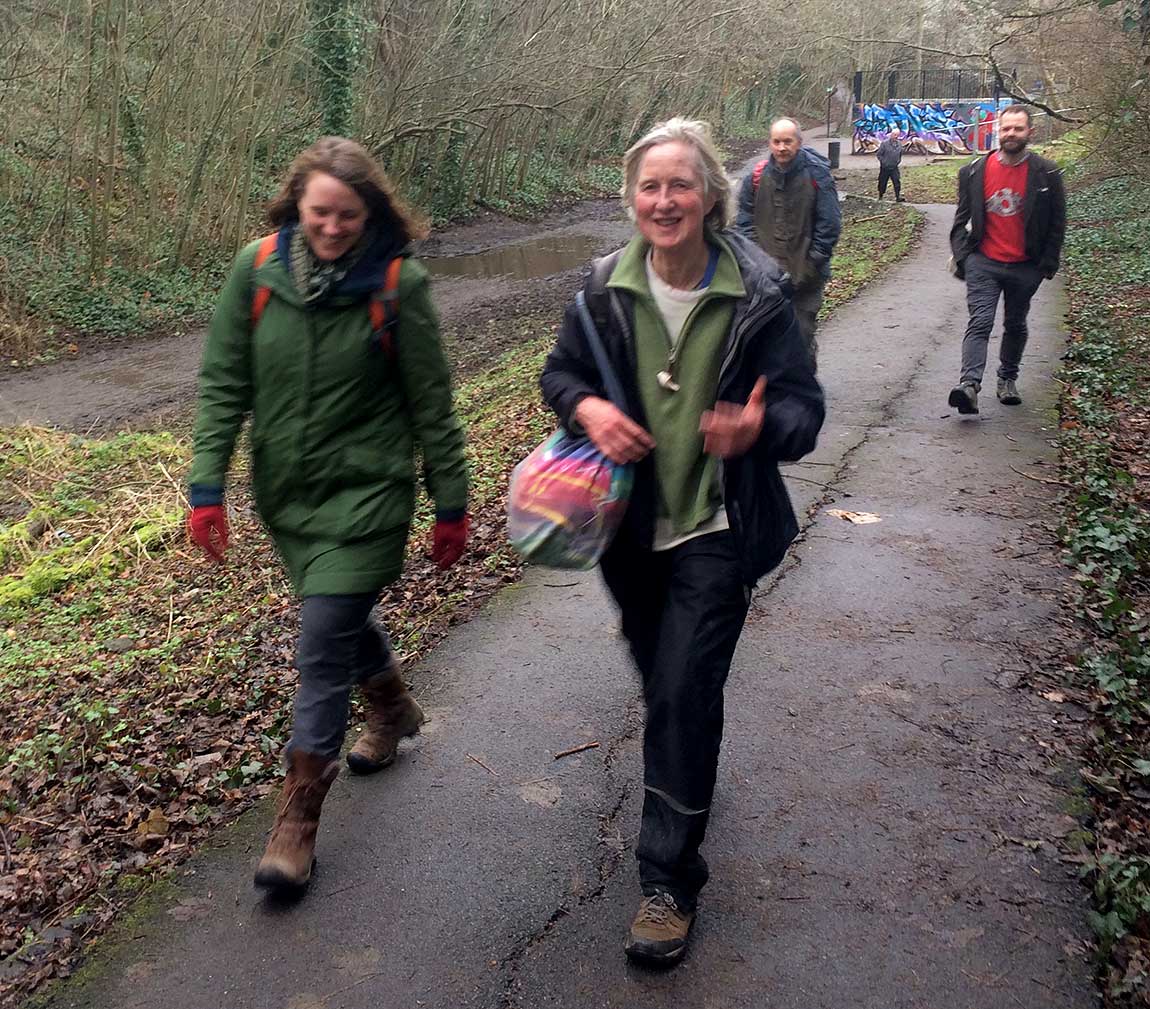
(833, 152)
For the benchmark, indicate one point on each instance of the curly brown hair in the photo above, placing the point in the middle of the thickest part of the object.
(349, 162)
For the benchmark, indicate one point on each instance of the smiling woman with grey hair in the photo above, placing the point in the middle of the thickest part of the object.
(718, 388)
(697, 135)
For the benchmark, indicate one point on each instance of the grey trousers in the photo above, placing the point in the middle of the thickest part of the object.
(986, 279)
(806, 302)
(340, 645)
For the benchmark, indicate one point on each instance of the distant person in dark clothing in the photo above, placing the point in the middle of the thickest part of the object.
(1006, 239)
(789, 206)
(889, 156)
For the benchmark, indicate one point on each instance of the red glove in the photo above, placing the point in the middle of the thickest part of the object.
(450, 539)
(202, 522)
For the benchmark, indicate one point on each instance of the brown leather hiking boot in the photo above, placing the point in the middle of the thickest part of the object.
(290, 853)
(392, 713)
(659, 931)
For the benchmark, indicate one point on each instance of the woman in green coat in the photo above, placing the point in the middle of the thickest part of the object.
(326, 336)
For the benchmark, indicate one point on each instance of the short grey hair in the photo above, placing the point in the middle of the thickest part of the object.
(791, 123)
(697, 135)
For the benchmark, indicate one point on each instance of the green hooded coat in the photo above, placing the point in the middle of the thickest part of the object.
(334, 418)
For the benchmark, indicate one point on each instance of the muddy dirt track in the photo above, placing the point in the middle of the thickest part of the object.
(889, 806)
(145, 381)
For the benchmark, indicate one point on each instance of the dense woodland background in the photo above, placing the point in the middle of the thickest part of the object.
(139, 139)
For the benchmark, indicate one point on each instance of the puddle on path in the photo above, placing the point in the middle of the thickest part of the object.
(154, 369)
(539, 258)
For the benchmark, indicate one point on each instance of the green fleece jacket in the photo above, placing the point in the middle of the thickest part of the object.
(686, 476)
(334, 419)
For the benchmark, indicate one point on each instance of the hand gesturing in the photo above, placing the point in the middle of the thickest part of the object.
(730, 429)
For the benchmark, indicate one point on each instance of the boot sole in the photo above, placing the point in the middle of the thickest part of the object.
(279, 881)
(1010, 400)
(958, 400)
(652, 959)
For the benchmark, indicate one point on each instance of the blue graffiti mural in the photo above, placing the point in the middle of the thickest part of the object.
(926, 127)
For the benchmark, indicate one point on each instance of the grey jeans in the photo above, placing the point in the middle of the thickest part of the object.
(986, 279)
(340, 645)
(806, 301)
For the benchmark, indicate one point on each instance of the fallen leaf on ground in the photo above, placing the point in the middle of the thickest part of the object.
(155, 825)
(190, 908)
(857, 518)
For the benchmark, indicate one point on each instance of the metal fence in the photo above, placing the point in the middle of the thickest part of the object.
(876, 87)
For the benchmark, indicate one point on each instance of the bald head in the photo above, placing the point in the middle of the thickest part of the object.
(786, 126)
(786, 139)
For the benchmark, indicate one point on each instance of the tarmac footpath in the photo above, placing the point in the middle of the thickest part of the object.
(885, 824)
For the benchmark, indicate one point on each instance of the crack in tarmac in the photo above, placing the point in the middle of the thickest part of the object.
(831, 489)
(610, 848)
(611, 855)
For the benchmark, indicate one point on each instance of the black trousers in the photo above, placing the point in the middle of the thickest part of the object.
(894, 176)
(683, 611)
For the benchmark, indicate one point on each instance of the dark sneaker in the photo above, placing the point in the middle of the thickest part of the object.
(1008, 392)
(900, 199)
(964, 397)
(659, 931)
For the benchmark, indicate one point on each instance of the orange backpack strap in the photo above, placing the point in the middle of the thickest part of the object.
(261, 294)
(757, 175)
(384, 307)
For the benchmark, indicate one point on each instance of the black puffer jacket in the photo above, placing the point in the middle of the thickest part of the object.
(763, 340)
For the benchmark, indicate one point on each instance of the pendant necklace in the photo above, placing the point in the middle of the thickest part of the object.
(666, 377)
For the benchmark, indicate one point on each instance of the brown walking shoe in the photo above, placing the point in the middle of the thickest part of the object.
(392, 713)
(659, 931)
(290, 854)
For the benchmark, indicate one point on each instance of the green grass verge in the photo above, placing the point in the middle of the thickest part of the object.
(151, 689)
(872, 240)
(1105, 442)
(933, 183)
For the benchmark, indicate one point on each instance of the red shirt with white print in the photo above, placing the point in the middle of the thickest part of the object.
(1004, 189)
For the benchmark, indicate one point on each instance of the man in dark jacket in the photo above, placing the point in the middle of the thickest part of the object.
(789, 205)
(889, 156)
(1006, 237)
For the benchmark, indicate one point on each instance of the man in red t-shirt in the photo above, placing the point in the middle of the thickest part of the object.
(1006, 237)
